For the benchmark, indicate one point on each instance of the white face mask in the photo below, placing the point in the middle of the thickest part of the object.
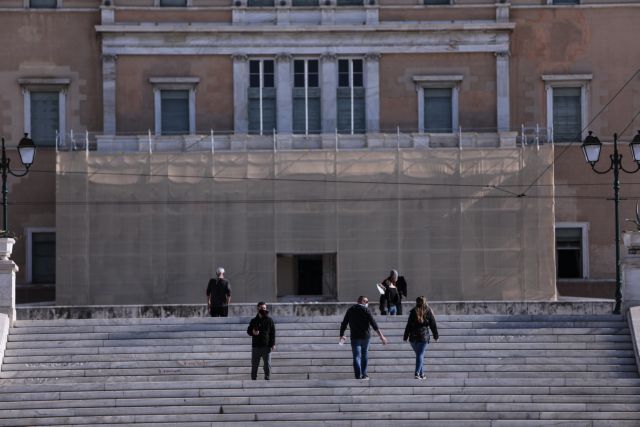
(365, 305)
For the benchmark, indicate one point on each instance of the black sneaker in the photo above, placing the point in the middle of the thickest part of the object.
(267, 378)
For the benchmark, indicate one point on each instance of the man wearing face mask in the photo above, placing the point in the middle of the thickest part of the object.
(263, 340)
(359, 319)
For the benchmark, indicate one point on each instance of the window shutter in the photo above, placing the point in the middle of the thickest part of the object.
(173, 3)
(344, 110)
(43, 258)
(298, 110)
(359, 116)
(437, 110)
(567, 114)
(313, 103)
(45, 117)
(174, 112)
(268, 110)
(260, 3)
(315, 117)
(43, 4)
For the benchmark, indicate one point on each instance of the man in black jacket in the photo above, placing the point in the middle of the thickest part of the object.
(263, 340)
(359, 319)
(219, 295)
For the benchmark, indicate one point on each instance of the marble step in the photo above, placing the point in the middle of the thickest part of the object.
(19, 364)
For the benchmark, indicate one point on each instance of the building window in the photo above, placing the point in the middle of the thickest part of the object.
(41, 256)
(564, 2)
(306, 96)
(436, 2)
(567, 116)
(571, 251)
(175, 105)
(438, 102)
(262, 97)
(437, 110)
(351, 96)
(45, 117)
(45, 108)
(173, 3)
(260, 3)
(304, 3)
(349, 2)
(174, 109)
(567, 105)
(312, 275)
(43, 4)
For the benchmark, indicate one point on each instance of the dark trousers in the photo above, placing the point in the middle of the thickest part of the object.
(219, 311)
(258, 353)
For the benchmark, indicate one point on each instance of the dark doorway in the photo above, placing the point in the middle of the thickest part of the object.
(308, 275)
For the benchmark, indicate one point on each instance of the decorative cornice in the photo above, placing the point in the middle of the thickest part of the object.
(372, 56)
(240, 57)
(52, 81)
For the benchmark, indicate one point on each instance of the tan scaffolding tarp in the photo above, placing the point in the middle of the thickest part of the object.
(151, 228)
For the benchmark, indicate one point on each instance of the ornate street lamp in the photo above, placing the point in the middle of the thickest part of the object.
(27, 152)
(591, 147)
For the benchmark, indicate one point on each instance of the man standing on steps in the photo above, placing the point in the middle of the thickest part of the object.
(219, 295)
(359, 319)
(263, 340)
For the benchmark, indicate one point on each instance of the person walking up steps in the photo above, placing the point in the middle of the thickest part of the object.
(359, 319)
(219, 295)
(421, 319)
(263, 341)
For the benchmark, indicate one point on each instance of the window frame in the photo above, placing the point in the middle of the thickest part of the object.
(29, 231)
(53, 84)
(260, 92)
(174, 83)
(157, 3)
(581, 81)
(553, 3)
(351, 88)
(27, 5)
(452, 82)
(584, 245)
(306, 92)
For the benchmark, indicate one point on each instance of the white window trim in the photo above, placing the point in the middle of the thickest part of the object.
(584, 226)
(439, 81)
(156, 3)
(306, 87)
(174, 83)
(261, 87)
(60, 85)
(29, 232)
(26, 4)
(568, 80)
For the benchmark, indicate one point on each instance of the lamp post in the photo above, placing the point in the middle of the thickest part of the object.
(27, 152)
(591, 147)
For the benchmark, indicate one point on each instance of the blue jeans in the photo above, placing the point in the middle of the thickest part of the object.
(393, 310)
(360, 350)
(419, 348)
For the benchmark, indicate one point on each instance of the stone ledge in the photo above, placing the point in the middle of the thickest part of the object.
(312, 309)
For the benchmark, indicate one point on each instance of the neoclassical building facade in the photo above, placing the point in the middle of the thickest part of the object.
(462, 108)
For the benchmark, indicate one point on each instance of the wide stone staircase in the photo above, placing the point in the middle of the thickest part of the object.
(487, 370)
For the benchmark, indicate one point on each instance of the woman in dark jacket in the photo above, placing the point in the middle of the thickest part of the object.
(421, 319)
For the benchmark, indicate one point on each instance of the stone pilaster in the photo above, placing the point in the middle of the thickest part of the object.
(284, 94)
(329, 92)
(241, 93)
(372, 92)
(109, 94)
(502, 91)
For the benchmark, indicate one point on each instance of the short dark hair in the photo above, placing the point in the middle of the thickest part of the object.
(361, 299)
(261, 303)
